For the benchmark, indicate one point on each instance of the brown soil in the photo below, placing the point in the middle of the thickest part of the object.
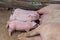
(4, 15)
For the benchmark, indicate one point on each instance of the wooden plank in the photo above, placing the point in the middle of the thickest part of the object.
(21, 4)
(24, 4)
(34, 0)
(54, 2)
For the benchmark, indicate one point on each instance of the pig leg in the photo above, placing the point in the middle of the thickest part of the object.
(33, 25)
(31, 38)
(50, 31)
(11, 29)
(27, 30)
(31, 33)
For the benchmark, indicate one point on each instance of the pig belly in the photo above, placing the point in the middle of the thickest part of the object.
(51, 17)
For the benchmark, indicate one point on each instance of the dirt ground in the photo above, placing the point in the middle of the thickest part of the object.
(4, 15)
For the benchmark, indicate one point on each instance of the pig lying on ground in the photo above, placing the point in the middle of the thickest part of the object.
(22, 20)
(50, 31)
(17, 25)
(24, 15)
(50, 24)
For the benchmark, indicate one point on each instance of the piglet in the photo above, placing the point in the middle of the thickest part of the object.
(24, 15)
(19, 25)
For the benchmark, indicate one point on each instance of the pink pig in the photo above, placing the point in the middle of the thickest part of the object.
(22, 20)
(24, 15)
(18, 25)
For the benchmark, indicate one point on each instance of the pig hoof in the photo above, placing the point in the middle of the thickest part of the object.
(10, 34)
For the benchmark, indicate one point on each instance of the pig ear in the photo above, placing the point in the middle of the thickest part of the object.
(18, 10)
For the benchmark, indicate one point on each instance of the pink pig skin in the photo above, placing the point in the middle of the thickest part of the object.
(51, 13)
(17, 25)
(24, 15)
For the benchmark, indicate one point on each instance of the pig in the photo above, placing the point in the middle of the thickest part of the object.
(19, 25)
(49, 8)
(24, 15)
(50, 13)
(49, 29)
(19, 20)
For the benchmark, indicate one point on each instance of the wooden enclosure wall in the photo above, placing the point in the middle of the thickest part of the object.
(24, 3)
